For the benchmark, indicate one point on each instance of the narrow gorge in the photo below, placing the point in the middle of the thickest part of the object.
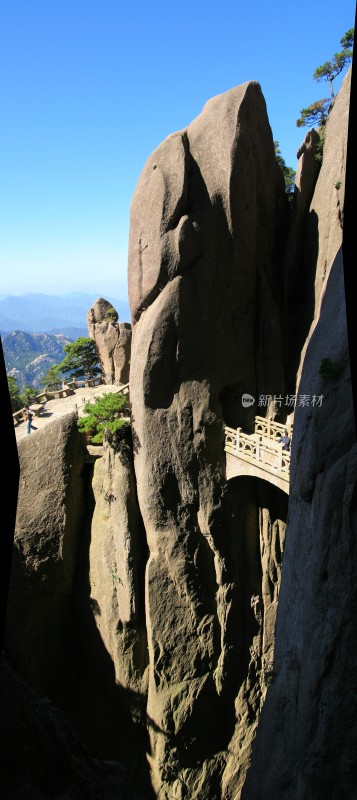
(149, 598)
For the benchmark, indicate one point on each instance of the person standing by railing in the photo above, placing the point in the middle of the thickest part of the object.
(27, 417)
(285, 441)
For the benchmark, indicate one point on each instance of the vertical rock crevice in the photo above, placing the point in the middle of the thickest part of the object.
(307, 736)
(201, 339)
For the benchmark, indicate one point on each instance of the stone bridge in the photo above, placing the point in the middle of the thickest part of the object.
(259, 454)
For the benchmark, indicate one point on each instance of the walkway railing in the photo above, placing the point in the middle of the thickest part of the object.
(80, 382)
(269, 428)
(66, 389)
(256, 450)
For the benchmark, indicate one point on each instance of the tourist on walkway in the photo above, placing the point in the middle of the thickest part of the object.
(27, 418)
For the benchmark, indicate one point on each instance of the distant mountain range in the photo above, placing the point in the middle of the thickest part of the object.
(35, 327)
(44, 313)
(28, 356)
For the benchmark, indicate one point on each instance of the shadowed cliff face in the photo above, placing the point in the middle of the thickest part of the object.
(307, 735)
(300, 261)
(315, 234)
(40, 629)
(206, 330)
(75, 627)
(41, 756)
(189, 649)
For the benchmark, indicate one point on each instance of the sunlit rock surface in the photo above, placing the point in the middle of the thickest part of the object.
(206, 330)
(112, 339)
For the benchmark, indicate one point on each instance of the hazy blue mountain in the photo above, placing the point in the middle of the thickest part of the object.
(28, 356)
(44, 313)
(72, 333)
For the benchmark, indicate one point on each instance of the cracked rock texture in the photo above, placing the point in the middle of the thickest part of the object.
(307, 735)
(86, 653)
(117, 564)
(150, 597)
(325, 222)
(298, 275)
(206, 330)
(112, 340)
(39, 630)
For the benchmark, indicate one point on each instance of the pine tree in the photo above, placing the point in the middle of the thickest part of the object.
(317, 113)
(81, 359)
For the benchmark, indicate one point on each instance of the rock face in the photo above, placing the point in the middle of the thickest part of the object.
(117, 567)
(307, 735)
(151, 596)
(86, 652)
(41, 756)
(298, 275)
(206, 330)
(39, 635)
(112, 339)
(324, 227)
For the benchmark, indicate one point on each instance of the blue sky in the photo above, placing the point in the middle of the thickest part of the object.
(88, 88)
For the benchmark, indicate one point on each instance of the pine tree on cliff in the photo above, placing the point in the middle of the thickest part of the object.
(81, 359)
(330, 69)
(317, 112)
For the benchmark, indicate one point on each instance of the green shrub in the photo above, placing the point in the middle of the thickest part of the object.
(111, 315)
(320, 144)
(103, 418)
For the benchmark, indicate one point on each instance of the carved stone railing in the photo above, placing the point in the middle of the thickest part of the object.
(67, 388)
(79, 383)
(259, 450)
(270, 429)
(124, 389)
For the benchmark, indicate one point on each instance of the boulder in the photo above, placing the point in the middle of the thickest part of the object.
(206, 330)
(40, 624)
(112, 339)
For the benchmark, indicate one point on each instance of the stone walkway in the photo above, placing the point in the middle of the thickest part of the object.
(58, 408)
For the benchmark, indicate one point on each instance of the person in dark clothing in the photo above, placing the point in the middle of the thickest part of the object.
(285, 441)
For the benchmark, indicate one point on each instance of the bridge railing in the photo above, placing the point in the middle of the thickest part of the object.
(256, 450)
(270, 429)
(124, 389)
(67, 388)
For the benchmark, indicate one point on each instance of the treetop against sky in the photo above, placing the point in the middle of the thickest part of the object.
(88, 90)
